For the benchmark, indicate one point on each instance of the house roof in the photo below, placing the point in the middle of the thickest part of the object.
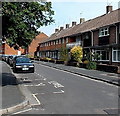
(92, 24)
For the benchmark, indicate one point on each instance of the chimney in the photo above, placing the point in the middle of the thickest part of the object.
(61, 28)
(73, 23)
(67, 26)
(108, 9)
(56, 30)
(82, 20)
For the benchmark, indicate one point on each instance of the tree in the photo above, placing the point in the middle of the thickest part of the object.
(64, 54)
(21, 20)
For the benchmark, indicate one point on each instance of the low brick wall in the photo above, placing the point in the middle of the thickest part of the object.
(108, 68)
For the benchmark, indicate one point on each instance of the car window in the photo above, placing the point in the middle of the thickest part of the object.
(23, 60)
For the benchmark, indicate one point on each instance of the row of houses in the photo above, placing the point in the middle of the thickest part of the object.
(100, 35)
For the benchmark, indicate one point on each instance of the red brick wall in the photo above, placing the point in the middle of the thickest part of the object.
(11, 51)
(112, 38)
(34, 44)
(95, 37)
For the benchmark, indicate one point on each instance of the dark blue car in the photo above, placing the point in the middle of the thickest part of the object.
(23, 64)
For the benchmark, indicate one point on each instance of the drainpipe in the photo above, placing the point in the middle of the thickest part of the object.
(116, 41)
(91, 37)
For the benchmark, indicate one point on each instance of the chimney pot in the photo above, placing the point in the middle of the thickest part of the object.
(56, 30)
(82, 20)
(67, 26)
(61, 28)
(73, 23)
(108, 9)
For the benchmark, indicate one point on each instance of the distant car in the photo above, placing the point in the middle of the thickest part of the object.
(4, 57)
(23, 64)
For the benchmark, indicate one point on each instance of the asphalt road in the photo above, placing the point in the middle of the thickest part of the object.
(60, 92)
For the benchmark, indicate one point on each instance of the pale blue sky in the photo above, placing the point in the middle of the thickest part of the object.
(66, 12)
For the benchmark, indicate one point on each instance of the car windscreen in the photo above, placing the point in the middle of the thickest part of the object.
(23, 60)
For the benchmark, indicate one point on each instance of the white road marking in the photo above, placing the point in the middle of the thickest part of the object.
(23, 111)
(37, 85)
(56, 84)
(80, 76)
(34, 95)
(43, 78)
(59, 92)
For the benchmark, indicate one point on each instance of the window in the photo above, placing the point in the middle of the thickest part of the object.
(104, 55)
(66, 40)
(63, 40)
(56, 41)
(116, 55)
(51, 42)
(59, 41)
(103, 32)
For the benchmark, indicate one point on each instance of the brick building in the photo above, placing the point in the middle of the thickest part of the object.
(34, 44)
(6, 49)
(101, 35)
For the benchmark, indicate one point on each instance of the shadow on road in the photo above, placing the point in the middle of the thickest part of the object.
(8, 79)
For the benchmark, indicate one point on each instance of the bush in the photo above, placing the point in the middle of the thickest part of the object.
(77, 53)
(91, 65)
(86, 62)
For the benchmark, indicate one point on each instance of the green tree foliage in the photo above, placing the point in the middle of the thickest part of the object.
(64, 54)
(20, 20)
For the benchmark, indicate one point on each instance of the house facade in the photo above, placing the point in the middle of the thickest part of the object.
(35, 42)
(7, 50)
(100, 35)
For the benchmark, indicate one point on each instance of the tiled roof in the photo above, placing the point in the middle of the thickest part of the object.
(92, 24)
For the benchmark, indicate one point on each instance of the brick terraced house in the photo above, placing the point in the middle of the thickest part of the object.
(34, 44)
(101, 35)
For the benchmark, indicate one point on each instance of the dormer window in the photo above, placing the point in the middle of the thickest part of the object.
(104, 32)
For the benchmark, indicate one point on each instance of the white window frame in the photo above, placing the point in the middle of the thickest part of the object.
(115, 50)
(56, 41)
(63, 41)
(102, 32)
(59, 41)
(51, 43)
(67, 40)
(101, 54)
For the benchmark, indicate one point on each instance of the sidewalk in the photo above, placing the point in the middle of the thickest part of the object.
(110, 78)
(12, 97)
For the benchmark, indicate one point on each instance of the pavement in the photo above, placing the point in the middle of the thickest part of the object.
(12, 98)
(111, 78)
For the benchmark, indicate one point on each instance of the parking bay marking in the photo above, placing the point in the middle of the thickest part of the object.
(37, 85)
(34, 95)
(55, 84)
(59, 92)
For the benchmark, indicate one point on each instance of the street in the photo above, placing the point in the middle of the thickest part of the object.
(61, 92)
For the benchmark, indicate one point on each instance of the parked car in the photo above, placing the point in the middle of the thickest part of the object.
(23, 64)
(4, 57)
(10, 60)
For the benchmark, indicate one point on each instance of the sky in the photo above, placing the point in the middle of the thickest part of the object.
(72, 10)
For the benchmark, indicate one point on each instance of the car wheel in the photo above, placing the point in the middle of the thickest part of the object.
(14, 70)
(32, 71)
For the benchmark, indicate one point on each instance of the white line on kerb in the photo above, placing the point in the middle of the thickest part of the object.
(34, 95)
(23, 111)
